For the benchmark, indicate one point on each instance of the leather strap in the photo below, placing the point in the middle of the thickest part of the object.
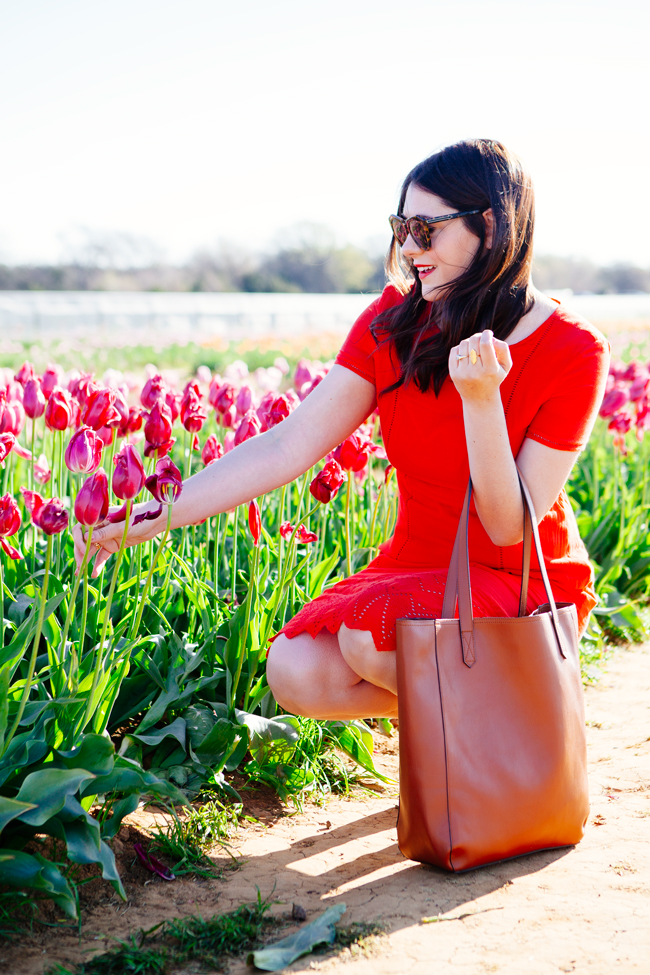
(458, 577)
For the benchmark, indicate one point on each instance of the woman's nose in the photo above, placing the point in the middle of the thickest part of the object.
(410, 248)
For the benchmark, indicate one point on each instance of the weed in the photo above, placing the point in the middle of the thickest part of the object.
(164, 947)
(185, 841)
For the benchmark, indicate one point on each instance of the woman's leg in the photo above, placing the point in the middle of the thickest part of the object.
(311, 676)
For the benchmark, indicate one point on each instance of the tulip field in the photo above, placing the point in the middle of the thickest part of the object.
(148, 682)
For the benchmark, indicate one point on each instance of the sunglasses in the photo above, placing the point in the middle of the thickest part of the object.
(418, 227)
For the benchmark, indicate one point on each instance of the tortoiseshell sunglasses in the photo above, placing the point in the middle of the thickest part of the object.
(418, 227)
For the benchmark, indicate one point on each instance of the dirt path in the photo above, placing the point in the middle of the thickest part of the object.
(583, 910)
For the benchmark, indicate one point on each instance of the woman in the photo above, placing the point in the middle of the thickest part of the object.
(474, 372)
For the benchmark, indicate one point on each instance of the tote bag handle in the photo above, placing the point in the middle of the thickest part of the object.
(458, 577)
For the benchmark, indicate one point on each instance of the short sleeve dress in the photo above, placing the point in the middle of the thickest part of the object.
(551, 395)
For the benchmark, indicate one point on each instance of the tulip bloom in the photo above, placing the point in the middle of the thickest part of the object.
(249, 427)
(100, 410)
(255, 522)
(225, 398)
(58, 412)
(167, 483)
(84, 451)
(193, 416)
(53, 376)
(91, 504)
(50, 516)
(25, 373)
(352, 454)
(326, 484)
(303, 535)
(42, 472)
(158, 430)
(153, 390)
(33, 399)
(212, 450)
(128, 476)
(280, 409)
(12, 414)
(244, 401)
(10, 522)
(7, 444)
(614, 400)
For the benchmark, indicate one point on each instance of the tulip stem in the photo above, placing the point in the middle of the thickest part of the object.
(347, 525)
(138, 616)
(254, 561)
(281, 583)
(82, 573)
(2, 607)
(37, 639)
(233, 564)
(107, 614)
(374, 520)
(32, 483)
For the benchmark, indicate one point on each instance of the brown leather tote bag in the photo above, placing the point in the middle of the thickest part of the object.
(493, 759)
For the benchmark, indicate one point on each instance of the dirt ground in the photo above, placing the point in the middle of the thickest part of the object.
(585, 909)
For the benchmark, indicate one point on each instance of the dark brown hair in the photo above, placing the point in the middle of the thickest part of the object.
(493, 292)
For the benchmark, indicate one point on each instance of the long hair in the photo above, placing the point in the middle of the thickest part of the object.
(493, 292)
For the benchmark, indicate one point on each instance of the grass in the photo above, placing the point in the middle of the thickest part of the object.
(186, 841)
(178, 941)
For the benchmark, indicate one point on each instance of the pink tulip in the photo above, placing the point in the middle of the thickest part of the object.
(34, 399)
(50, 516)
(158, 430)
(255, 522)
(167, 483)
(325, 486)
(25, 373)
(212, 450)
(53, 376)
(249, 426)
(7, 444)
(225, 398)
(614, 400)
(100, 410)
(58, 412)
(91, 504)
(128, 476)
(153, 390)
(12, 414)
(244, 401)
(10, 522)
(303, 373)
(42, 472)
(84, 451)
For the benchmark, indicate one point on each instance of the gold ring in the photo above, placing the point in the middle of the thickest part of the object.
(473, 356)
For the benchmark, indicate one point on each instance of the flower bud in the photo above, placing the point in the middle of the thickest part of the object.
(33, 399)
(128, 476)
(91, 504)
(255, 521)
(249, 427)
(84, 451)
(212, 450)
(326, 484)
(58, 412)
(10, 522)
(153, 390)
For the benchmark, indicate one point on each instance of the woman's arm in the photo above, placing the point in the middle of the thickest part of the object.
(492, 466)
(323, 420)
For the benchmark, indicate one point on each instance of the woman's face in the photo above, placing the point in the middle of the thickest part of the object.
(453, 246)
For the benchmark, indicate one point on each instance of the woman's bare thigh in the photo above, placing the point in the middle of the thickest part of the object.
(310, 676)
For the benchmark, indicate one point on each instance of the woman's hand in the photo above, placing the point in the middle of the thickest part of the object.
(107, 536)
(478, 381)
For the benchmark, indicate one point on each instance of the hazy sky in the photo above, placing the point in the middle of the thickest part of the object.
(197, 120)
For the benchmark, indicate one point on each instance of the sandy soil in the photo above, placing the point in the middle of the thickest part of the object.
(585, 909)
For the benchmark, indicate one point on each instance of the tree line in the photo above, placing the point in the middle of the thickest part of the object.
(309, 261)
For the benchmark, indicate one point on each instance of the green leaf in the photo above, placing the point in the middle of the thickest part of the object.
(176, 729)
(95, 754)
(11, 809)
(349, 739)
(120, 809)
(32, 871)
(321, 572)
(48, 790)
(218, 744)
(271, 739)
(280, 954)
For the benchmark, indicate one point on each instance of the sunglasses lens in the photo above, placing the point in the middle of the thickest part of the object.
(420, 233)
(399, 229)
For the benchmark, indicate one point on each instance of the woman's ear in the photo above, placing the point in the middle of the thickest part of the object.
(488, 216)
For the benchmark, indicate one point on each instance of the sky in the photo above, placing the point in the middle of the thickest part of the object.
(198, 122)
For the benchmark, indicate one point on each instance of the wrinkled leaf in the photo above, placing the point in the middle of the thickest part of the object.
(32, 871)
(319, 931)
(48, 790)
(176, 729)
(11, 809)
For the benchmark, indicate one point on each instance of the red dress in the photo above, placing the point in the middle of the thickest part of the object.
(552, 395)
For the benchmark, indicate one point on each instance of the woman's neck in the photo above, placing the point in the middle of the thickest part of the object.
(542, 309)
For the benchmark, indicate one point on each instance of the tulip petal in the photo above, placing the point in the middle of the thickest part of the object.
(12, 552)
(148, 515)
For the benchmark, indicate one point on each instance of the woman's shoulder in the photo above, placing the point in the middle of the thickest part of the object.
(571, 331)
